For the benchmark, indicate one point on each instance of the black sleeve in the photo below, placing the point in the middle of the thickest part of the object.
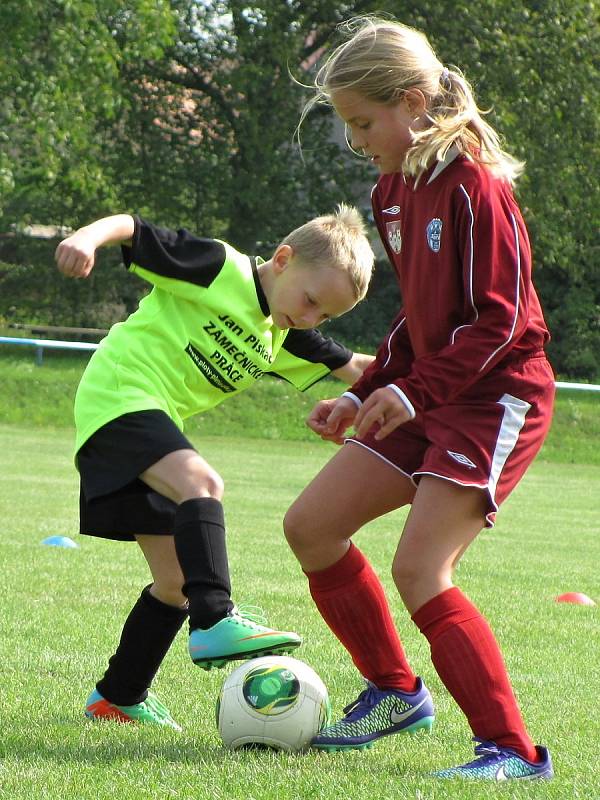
(312, 346)
(174, 254)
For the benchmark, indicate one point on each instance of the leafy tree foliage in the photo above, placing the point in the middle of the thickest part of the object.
(536, 65)
(60, 80)
(185, 110)
(232, 124)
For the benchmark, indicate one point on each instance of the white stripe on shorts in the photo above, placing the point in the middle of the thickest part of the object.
(513, 420)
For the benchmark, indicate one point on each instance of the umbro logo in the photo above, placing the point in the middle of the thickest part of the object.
(462, 459)
(391, 210)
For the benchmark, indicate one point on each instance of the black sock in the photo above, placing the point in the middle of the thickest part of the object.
(146, 638)
(199, 533)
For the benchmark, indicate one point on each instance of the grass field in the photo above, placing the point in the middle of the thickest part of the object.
(43, 396)
(62, 612)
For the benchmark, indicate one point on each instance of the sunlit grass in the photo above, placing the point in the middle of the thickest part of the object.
(62, 612)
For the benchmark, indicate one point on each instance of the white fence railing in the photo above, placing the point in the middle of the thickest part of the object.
(585, 387)
(40, 344)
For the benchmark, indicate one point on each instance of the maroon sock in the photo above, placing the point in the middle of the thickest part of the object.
(467, 658)
(352, 602)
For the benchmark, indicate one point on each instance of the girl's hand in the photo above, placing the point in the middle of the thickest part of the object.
(331, 418)
(75, 255)
(384, 409)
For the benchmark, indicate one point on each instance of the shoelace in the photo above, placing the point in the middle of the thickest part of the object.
(488, 750)
(249, 613)
(366, 698)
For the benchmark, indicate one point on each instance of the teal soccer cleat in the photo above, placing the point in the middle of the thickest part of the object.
(495, 763)
(237, 637)
(150, 710)
(376, 713)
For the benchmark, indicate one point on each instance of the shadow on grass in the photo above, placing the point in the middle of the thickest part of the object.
(35, 751)
(104, 742)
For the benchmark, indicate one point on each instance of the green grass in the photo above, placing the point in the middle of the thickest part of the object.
(62, 611)
(271, 410)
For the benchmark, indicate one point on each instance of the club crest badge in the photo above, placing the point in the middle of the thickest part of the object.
(434, 234)
(394, 235)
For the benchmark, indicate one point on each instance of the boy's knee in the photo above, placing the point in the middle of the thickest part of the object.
(215, 485)
(182, 476)
(201, 482)
(169, 590)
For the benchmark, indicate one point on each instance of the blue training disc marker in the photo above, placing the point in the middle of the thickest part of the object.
(60, 541)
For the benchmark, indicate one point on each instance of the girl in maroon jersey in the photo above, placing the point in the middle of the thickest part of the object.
(448, 417)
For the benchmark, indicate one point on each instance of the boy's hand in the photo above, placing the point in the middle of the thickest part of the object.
(75, 255)
(331, 418)
(384, 409)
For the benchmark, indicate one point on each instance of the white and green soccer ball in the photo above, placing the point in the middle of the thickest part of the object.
(273, 701)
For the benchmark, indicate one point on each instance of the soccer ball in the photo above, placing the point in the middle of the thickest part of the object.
(273, 701)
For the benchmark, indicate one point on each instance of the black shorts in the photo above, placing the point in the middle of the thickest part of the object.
(113, 502)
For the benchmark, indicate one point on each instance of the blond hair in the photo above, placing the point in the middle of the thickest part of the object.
(382, 59)
(337, 240)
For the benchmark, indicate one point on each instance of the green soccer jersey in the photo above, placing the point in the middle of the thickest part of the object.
(204, 333)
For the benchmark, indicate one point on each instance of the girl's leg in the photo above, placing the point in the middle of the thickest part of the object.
(355, 487)
(443, 521)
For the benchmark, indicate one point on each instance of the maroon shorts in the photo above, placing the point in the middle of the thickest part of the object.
(486, 438)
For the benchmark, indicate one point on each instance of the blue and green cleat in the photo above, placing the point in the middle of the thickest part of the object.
(495, 763)
(150, 710)
(376, 713)
(240, 635)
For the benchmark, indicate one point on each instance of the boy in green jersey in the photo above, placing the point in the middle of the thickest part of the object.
(214, 323)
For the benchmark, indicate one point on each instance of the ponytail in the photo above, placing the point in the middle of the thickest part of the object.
(380, 60)
(455, 120)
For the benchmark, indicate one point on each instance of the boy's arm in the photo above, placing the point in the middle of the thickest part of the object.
(75, 255)
(353, 370)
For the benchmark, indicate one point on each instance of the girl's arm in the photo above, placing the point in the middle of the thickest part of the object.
(394, 357)
(75, 255)
(501, 314)
(330, 419)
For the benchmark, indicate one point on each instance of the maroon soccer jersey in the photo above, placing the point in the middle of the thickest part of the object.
(460, 249)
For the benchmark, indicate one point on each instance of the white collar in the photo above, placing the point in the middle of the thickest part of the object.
(452, 153)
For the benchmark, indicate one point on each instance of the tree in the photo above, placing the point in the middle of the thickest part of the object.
(185, 110)
(231, 61)
(60, 78)
(536, 66)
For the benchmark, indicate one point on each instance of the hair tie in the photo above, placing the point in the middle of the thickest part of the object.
(445, 78)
